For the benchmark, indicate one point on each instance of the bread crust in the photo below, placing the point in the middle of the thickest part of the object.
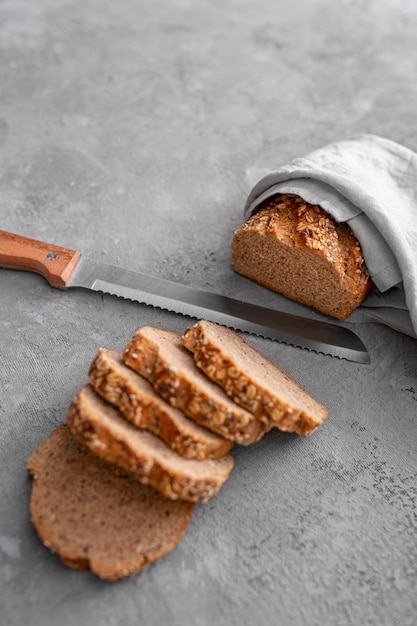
(136, 399)
(251, 380)
(164, 361)
(94, 516)
(101, 428)
(300, 251)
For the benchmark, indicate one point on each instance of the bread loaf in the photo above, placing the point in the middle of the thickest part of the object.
(100, 427)
(94, 515)
(251, 380)
(136, 399)
(300, 251)
(160, 356)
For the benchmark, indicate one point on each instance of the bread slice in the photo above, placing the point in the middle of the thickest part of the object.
(300, 251)
(94, 516)
(251, 380)
(100, 427)
(136, 399)
(159, 356)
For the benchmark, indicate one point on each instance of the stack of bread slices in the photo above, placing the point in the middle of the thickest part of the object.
(149, 436)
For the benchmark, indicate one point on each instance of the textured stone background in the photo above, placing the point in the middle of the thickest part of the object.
(133, 132)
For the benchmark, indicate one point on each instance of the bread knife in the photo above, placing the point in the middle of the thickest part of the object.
(66, 269)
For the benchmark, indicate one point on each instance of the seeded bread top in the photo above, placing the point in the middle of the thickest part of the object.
(99, 426)
(136, 399)
(160, 356)
(289, 218)
(300, 251)
(251, 379)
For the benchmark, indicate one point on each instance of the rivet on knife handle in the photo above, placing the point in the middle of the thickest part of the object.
(54, 263)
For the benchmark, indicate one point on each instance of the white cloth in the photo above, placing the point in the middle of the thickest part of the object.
(371, 183)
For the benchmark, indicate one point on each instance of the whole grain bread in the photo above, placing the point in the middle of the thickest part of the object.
(94, 516)
(300, 251)
(251, 380)
(100, 427)
(159, 356)
(136, 399)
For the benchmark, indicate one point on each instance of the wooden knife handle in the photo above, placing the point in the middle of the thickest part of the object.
(54, 263)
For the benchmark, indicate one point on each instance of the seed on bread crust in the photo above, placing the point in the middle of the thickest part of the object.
(167, 364)
(251, 380)
(136, 399)
(300, 251)
(101, 428)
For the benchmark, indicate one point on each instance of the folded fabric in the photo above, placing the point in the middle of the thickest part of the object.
(371, 183)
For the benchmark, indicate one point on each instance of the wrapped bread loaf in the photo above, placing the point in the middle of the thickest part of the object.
(300, 251)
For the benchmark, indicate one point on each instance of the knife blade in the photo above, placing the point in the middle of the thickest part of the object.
(64, 269)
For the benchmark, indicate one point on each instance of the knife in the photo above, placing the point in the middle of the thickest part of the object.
(65, 269)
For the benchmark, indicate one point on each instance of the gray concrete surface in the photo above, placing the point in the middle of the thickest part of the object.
(132, 131)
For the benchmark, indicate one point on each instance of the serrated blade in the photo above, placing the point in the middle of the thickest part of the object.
(64, 268)
(321, 337)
